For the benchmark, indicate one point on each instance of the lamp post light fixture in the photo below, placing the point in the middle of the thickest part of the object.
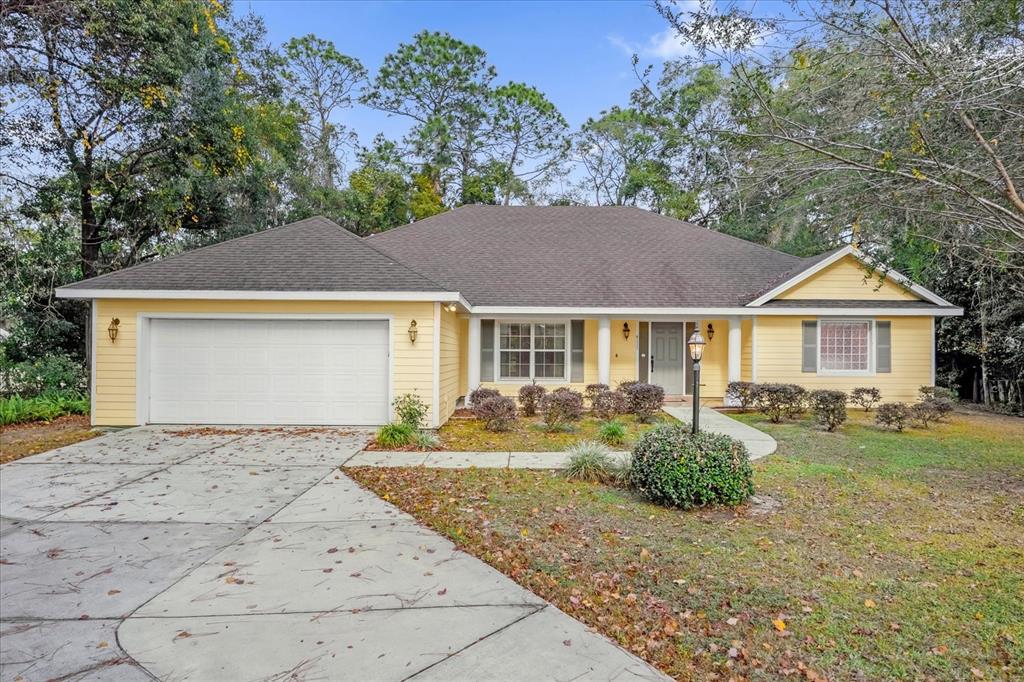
(625, 330)
(413, 332)
(696, 347)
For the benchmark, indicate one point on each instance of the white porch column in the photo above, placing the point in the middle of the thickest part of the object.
(473, 368)
(604, 350)
(735, 349)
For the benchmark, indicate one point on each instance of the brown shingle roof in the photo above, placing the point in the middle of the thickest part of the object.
(608, 256)
(311, 255)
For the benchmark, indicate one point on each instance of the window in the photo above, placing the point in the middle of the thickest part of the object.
(532, 350)
(844, 346)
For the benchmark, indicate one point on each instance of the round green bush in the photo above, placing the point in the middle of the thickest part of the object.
(675, 468)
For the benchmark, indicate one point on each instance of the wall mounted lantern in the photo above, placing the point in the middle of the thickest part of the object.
(711, 332)
(451, 307)
(696, 346)
(625, 330)
(112, 329)
(413, 332)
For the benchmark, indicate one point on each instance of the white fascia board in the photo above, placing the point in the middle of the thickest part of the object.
(210, 294)
(922, 292)
(656, 313)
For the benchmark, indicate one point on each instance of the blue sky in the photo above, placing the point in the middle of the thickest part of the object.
(577, 53)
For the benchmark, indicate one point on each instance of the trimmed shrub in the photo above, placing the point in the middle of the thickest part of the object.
(643, 400)
(741, 392)
(674, 467)
(798, 400)
(497, 412)
(612, 432)
(530, 397)
(608, 404)
(866, 397)
(930, 410)
(481, 394)
(591, 461)
(410, 409)
(892, 416)
(395, 435)
(561, 406)
(623, 385)
(592, 391)
(776, 401)
(829, 407)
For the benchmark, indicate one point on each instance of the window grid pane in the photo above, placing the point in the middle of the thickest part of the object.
(532, 350)
(845, 346)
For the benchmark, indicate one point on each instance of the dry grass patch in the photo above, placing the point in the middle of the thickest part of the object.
(530, 435)
(22, 440)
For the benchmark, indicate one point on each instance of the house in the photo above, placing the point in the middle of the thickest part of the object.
(310, 324)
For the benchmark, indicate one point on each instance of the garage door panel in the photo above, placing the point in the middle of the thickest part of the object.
(268, 371)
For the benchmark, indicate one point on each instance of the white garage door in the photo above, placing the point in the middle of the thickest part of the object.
(268, 372)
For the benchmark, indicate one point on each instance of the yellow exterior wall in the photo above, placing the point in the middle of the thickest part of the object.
(747, 341)
(449, 364)
(848, 279)
(779, 358)
(463, 356)
(714, 367)
(115, 360)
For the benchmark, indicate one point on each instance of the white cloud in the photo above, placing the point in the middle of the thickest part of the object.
(664, 45)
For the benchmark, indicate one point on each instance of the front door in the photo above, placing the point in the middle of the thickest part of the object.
(668, 369)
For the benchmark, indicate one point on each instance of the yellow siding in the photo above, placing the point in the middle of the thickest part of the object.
(779, 358)
(463, 356)
(848, 279)
(448, 376)
(746, 362)
(714, 367)
(115, 361)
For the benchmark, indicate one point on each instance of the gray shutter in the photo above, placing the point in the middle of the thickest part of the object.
(576, 352)
(810, 345)
(883, 347)
(645, 362)
(486, 350)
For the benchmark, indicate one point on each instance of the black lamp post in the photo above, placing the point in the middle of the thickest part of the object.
(696, 346)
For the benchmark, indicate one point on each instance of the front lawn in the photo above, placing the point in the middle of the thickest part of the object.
(869, 555)
(530, 435)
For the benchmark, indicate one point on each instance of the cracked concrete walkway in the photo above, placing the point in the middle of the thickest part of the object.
(191, 554)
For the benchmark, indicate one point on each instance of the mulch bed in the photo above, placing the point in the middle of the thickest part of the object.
(31, 438)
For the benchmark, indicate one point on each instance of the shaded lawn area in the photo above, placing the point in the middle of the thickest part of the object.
(22, 440)
(891, 556)
(530, 435)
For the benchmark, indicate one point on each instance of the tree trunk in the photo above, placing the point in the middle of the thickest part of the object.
(91, 240)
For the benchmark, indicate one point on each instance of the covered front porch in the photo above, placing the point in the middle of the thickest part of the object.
(507, 352)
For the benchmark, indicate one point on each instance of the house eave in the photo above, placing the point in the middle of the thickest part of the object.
(263, 295)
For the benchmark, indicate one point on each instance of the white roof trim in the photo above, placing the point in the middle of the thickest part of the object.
(923, 293)
(257, 295)
(652, 313)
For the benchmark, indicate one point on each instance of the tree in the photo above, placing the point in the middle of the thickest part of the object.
(378, 196)
(529, 137)
(321, 81)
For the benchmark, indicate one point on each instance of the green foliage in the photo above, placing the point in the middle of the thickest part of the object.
(866, 397)
(930, 410)
(530, 397)
(829, 407)
(44, 407)
(892, 416)
(591, 461)
(395, 435)
(425, 440)
(674, 467)
(742, 392)
(497, 412)
(47, 374)
(777, 401)
(410, 409)
(612, 432)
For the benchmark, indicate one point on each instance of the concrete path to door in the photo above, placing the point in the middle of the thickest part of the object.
(246, 554)
(759, 444)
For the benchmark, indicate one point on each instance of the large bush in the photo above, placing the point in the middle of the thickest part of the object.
(481, 394)
(674, 467)
(866, 397)
(561, 406)
(530, 396)
(742, 393)
(643, 400)
(608, 404)
(49, 374)
(829, 407)
(778, 400)
(497, 412)
(592, 391)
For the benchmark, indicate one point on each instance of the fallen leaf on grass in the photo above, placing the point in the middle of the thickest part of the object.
(870, 603)
(779, 624)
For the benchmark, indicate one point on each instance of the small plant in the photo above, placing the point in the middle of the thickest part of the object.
(497, 412)
(481, 394)
(591, 461)
(530, 397)
(674, 467)
(892, 416)
(612, 432)
(930, 410)
(608, 404)
(395, 435)
(927, 392)
(592, 391)
(776, 401)
(410, 409)
(643, 400)
(425, 440)
(46, 407)
(866, 397)
(829, 407)
(742, 393)
(560, 407)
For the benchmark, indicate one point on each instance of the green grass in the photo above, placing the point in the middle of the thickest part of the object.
(889, 556)
(46, 407)
(529, 435)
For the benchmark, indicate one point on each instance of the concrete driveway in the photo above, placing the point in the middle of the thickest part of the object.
(245, 554)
